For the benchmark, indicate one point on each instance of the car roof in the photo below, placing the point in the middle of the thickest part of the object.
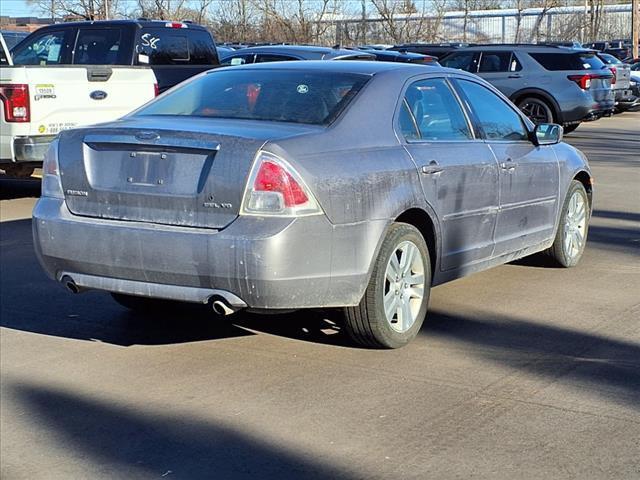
(523, 46)
(301, 50)
(344, 66)
(142, 23)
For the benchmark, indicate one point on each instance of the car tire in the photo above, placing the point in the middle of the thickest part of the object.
(571, 236)
(142, 304)
(537, 110)
(371, 325)
(570, 128)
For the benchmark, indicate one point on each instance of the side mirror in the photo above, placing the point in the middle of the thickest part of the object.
(547, 134)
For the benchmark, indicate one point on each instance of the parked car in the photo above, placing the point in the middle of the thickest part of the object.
(438, 50)
(624, 96)
(38, 102)
(404, 57)
(281, 53)
(310, 184)
(619, 48)
(174, 51)
(549, 84)
(13, 37)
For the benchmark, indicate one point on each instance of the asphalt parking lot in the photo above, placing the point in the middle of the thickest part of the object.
(523, 371)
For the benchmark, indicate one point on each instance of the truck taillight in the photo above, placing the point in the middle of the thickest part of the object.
(276, 189)
(15, 99)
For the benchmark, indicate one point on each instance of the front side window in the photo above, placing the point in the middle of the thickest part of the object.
(98, 46)
(270, 95)
(436, 111)
(496, 119)
(45, 49)
(467, 61)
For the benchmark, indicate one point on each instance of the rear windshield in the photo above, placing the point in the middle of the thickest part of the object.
(315, 98)
(568, 61)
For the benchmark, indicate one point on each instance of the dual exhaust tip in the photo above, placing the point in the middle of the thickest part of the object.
(218, 304)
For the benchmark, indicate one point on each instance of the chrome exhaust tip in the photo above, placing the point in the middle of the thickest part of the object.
(70, 285)
(221, 307)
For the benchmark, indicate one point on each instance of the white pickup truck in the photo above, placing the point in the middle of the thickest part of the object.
(38, 101)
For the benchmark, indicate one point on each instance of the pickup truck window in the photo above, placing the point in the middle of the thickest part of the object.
(165, 46)
(98, 46)
(44, 49)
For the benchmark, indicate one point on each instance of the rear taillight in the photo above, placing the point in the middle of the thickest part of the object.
(15, 99)
(614, 71)
(275, 188)
(583, 81)
(51, 186)
(156, 89)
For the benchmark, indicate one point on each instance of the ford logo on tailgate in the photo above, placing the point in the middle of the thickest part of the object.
(98, 95)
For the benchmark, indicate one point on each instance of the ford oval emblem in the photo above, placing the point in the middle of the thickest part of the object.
(147, 136)
(98, 95)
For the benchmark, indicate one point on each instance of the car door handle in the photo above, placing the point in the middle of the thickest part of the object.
(508, 165)
(432, 168)
(515, 75)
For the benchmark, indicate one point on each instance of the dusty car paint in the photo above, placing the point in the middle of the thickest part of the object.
(362, 172)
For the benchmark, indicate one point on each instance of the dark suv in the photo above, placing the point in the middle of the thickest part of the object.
(174, 51)
(549, 84)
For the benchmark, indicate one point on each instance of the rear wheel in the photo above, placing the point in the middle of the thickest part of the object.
(571, 236)
(536, 109)
(394, 305)
(570, 128)
(17, 170)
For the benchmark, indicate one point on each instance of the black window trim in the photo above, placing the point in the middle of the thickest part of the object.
(405, 87)
(476, 121)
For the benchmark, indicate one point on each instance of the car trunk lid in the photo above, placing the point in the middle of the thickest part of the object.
(189, 177)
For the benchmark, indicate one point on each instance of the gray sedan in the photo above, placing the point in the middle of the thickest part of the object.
(296, 185)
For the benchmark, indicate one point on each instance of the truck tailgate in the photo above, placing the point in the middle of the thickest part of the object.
(65, 97)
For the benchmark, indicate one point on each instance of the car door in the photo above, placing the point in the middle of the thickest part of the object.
(502, 70)
(529, 174)
(458, 172)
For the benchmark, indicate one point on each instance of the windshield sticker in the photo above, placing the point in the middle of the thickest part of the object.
(149, 41)
(303, 88)
(54, 52)
(44, 91)
(237, 61)
(142, 58)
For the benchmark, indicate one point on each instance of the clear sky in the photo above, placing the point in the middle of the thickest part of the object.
(16, 8)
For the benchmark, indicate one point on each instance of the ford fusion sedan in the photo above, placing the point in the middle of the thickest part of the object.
(295, 185)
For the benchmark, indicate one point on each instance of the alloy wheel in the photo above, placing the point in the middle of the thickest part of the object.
(575, 225)
(404, 286)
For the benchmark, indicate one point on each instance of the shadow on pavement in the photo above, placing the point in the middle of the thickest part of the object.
(632, 217)
(11, 188)
(132, 441)
(609, 367)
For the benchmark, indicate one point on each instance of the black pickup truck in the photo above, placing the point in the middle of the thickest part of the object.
(174, 51)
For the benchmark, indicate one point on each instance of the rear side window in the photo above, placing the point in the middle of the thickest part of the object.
(315, 98)
(462, 60)
(499, 62)
(169, 46)
(568, 61)
(98, 46)
(44, 49)
(435, 111)
(496, 119)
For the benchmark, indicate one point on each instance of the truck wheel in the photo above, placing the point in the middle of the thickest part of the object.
(537, 110)
(394, 305)
(17, 170)
(571, 236)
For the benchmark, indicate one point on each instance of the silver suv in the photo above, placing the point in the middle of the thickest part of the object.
(548, 83)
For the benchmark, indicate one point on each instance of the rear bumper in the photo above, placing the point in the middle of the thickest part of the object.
(25, 148)
(265, 263)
